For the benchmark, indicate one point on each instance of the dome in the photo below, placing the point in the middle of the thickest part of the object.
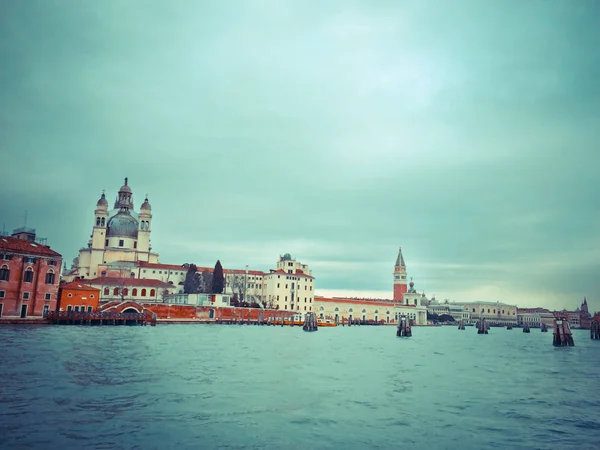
(287, 257)
(125, 187)
(146, 204)
(411, 284)
(102, 202)
(122, 225)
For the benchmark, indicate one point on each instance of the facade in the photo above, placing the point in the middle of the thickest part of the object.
(118, 235)
(580, 318)
(495, 313)
(458, 312)
(134, 289)
(29, 275)
(76, 296)
(290, 287)
(370, 311)
(535, 317)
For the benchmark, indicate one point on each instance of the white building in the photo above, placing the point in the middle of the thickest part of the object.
(290, 287)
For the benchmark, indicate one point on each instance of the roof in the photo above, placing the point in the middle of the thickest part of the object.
(230, 271)
(297, 273)
(400, 259)
(116, 281)
(147, 265)
(78, 286)
(14, 245)
(359, 301)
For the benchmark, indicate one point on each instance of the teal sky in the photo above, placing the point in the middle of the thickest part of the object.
(468, 132)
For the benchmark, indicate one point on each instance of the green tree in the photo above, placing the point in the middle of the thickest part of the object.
(191, 285)
(218, 281)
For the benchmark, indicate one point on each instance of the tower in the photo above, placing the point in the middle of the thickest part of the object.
(124, 198)
(145, 219)
(100, 221)
(400, 287)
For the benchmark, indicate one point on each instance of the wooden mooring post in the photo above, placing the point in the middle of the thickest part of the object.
(404, 329)
(461, 324)
(595, 330)
(310, 322)
(543, 328)
(526, 328)
(562, 334)
(482, 326)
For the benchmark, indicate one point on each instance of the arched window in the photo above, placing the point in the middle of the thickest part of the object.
(103, 273)
(336, 309)
(125, 291)
(387, 312)
(143, 292)
(116, 291)
(350, 310)
(4, 273)
(152, 292)
(376, 311)
(50, 276)
(132, 275)
(97, 221)
(321, 308)
(473, 309)
(106, 291)
(134, 292)
(364, 310)
(28, 276)
(102, 222)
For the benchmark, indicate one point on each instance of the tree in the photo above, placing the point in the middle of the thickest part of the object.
(218, 281)
(206, 282)
(191, 284)
(236, 283)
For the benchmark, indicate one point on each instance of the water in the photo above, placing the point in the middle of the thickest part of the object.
(194, 386)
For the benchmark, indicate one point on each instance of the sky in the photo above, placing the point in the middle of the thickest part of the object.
(466, 132)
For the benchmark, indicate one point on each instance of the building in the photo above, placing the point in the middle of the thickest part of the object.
(29, 275)
(135, 289)
(534, 317)
(580, 318)
(76, 296)
(456, 311)
(400, 288)
(495, 313)
(118, 235)
(290, 287)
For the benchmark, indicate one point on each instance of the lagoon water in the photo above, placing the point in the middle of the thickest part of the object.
(246, 387)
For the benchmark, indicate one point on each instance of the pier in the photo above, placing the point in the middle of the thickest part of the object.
(100, 318)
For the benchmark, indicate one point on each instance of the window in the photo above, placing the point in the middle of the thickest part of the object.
(116, 291)
(50, 277)
(69, 295)
(121, 242)
(77, 309)
(106, 291)
(134, 292)
(52, 262)
(91, 295)
(69, 308)
(2, 294)
(132, 275)
(152, 292)
(135, 244)
(30, 260)
(6, 257)
(97, 221)
(125, 291)
(28, 277)
(277, 284)
(89, 309)
(47, 296)
(143, 292)
(25, 295)
(106, 244)
(4, 273)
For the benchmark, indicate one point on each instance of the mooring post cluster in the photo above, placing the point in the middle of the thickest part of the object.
(482, 326)
(595, 330)
(310, 322)
(562, 333)
(404, 329)
(461, 325)
(526, 328)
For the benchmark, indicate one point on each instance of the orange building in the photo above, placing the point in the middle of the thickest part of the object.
(76, 296)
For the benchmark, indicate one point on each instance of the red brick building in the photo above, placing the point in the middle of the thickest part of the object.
(29, 275)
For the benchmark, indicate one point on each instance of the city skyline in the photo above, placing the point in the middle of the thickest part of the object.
(335, 134)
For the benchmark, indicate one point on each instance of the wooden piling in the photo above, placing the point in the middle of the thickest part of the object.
(562, 333)
(526, 328)
(461, 324)
(595, 330)
(543, 328)
(482, 326)
(310, 322)
(404, 329)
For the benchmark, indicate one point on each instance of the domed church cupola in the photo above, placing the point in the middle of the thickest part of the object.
(102, 203)
(124, 198)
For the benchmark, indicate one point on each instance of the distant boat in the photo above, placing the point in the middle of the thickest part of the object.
(508, 327)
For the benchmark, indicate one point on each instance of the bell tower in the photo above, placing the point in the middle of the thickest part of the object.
(400, 287)
(145, 219)
(100, 222)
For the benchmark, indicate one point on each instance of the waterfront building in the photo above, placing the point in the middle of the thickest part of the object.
(118, 235)
(340, 309)
(495, 313)
(458, 312)
(534, 317)
(122, 289)
(29, 275)
(290, 287)
(76, 296)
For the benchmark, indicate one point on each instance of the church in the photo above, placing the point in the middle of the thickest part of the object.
(120, 239)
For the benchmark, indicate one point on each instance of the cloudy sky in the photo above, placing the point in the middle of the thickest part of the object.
(468, 132)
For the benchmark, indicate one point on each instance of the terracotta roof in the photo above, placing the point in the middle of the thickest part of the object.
(147, 265)
(11, 244)
(298, 273)
(115, 281)
(228, 271)
(359, 301)
(78, 286)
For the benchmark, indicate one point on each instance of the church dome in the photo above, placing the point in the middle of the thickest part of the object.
(102, 203)
(122, 225)
(146, 205)
(125, 187)
(287, 257)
